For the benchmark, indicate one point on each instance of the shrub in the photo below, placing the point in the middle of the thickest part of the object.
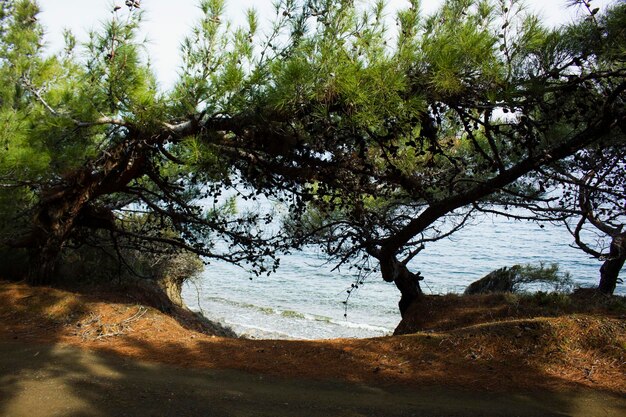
(520, 277)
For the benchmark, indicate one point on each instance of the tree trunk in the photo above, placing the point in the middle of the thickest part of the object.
(173, 288)
(68, 205)
(406, 281)
(609, 271)
(53, 224)
(43, 264)
(51, 233)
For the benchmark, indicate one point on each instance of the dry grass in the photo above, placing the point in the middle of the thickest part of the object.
(455, 311)
(472, 344)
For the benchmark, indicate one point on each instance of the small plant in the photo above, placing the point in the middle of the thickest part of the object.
(551, 276)
(556, 299)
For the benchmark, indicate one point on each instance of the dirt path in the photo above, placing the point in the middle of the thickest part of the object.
(56, 380)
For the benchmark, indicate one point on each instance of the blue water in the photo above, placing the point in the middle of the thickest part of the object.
(305, 299)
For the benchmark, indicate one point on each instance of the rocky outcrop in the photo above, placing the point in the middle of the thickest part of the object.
(500, 280)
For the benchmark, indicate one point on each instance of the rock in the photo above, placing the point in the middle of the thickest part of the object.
(500, 280)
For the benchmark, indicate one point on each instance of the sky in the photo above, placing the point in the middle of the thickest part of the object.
(168, 21)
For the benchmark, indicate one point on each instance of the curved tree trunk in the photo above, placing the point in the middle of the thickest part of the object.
(69, 205)
(43, 263)
(406, 281)
(609, 271)
(55, 219)
(53, 225)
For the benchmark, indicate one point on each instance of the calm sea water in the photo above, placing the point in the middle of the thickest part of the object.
(305, 299)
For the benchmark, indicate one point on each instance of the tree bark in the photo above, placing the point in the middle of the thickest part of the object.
(43, 262)
(406, 281)
(53, 225)
(52, 222)
(609, 271)
(69, 205)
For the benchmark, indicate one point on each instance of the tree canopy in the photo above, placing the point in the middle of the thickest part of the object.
(379, 141)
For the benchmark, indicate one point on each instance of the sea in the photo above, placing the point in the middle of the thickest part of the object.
(307, 299)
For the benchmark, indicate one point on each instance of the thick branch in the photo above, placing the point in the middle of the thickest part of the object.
(481, 190)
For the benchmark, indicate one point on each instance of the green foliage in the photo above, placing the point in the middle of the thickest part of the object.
(96, 119)
(530, 274)
(118, 80)
(556, 299)
(519, 278)
(377, 147)
(103, 262)
(215, 62)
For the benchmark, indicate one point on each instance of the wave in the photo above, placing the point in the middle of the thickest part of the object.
(249, 331)
(362, 326)
(278, 316)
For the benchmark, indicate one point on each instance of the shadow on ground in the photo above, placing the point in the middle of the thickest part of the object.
(48, 380)
(41, 377)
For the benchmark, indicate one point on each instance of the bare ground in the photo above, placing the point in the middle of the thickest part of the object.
(69, 354)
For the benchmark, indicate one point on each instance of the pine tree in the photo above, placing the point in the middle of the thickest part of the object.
(378, 143)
